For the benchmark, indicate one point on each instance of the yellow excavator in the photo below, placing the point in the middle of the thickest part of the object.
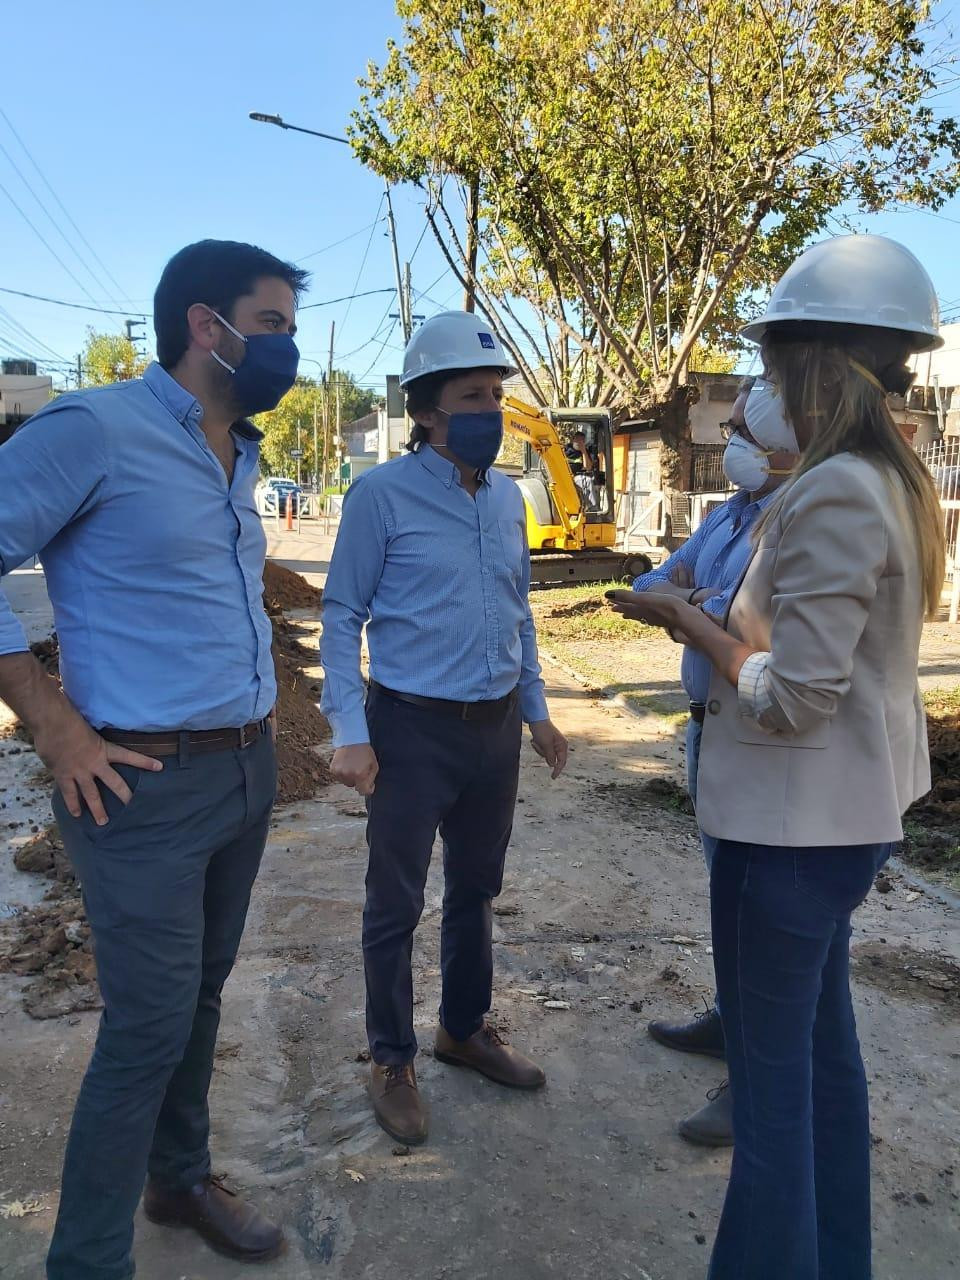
(571, 516)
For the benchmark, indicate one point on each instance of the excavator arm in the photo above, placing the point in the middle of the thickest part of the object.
(533, 427)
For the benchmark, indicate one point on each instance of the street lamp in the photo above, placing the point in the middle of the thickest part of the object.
(262, 117)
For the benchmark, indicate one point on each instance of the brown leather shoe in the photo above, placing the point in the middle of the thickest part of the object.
(397, 1103)
(487, 1052)
(227, 1223)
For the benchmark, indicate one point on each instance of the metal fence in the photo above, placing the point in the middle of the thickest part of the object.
(942, 459)
(706, 469)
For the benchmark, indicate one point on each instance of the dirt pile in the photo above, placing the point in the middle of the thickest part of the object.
(302, 727)
(300, 771)
(283, 590)
(50, 943)
(932, 825)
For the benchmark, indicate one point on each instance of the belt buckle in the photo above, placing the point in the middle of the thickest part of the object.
(465, 711)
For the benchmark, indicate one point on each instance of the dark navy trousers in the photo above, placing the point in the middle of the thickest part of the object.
(166, 884)
(437, 772)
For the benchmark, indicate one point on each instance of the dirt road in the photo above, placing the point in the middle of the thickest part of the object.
(585, 1180)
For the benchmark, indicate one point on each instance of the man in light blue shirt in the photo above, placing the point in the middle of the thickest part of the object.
(432, 557)
(139, 499)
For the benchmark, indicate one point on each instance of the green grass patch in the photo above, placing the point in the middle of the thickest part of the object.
(582, 613)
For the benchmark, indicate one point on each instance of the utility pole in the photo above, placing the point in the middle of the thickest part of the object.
(473, 218)
(401, 300)
(408, 297)
(316, 456)
(326, 407)
(339, 439)
(134, 338)
(79, 371)
(299, 453)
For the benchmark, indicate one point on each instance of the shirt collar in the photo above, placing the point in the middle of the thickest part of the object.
(741, 502)
(445, 470)
(184, 406)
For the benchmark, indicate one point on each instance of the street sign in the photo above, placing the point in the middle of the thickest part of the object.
(296, 453)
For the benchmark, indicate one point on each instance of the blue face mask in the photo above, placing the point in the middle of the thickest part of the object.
(475, 437)
(268, 371)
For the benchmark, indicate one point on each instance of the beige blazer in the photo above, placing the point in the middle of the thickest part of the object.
(833, 593)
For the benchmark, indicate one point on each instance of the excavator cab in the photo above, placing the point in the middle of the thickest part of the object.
(545, 491)
(590, 433)
(567, 487)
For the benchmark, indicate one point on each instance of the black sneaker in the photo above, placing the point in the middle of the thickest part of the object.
(703, 1035)
(712, 1125)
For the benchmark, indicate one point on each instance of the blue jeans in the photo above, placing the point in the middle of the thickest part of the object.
(166, 885)
(798, 1201)
(694, 735)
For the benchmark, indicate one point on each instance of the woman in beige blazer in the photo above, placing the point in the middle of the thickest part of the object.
(814, 744)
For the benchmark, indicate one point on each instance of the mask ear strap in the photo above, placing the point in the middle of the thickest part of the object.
(866, 373)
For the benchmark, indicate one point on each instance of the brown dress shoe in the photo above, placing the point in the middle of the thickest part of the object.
(226, 1222)
(397, 1103)
(487, 1052)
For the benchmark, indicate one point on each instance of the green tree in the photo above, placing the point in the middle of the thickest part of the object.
(641, 169)
(704, 359)
(306, 401)
(111, 357)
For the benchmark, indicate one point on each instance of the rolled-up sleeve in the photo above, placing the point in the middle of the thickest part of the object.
(355, 570)
(50, 472)
(830, 557)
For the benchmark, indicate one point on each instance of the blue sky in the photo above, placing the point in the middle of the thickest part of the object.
(138, 118)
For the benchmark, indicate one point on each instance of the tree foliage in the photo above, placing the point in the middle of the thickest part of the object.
(299, 405)
(644, 167)
(111, 357)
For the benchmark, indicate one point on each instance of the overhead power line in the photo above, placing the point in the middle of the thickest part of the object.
(65, 211)
(77, 306)
(329, 302)
(56, 226)
(32, 337)
(336, 244)
(363, 263)
(46, 243)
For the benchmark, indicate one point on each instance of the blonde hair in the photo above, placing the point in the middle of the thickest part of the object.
(836, 407)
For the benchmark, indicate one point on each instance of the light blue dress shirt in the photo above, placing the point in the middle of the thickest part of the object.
(154, 564)
(717, 555)
(441, 580)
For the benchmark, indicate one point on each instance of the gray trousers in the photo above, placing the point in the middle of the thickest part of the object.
(166, 885)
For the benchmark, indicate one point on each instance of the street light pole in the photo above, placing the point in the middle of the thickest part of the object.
(262, 117)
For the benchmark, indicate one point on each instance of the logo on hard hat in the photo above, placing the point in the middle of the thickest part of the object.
(486, 340)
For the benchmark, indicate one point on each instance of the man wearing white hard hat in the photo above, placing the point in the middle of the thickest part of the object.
(761, 452)
(432, 556)
(814, 746)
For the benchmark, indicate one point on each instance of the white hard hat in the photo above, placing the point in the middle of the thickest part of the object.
(856, 280)
(453, 340)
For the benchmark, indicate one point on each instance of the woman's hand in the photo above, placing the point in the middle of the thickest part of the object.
(686, 625)
(660, 608)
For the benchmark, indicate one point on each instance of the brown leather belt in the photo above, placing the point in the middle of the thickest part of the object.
(698, 711)
(188, 741)
(493, 709)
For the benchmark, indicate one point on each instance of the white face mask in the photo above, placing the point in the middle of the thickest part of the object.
(746, 465)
